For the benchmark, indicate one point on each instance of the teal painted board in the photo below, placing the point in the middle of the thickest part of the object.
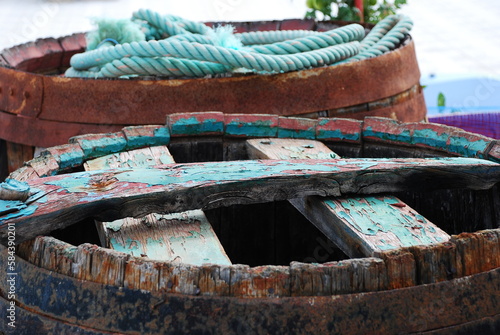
(184, 237)
(117, 193)
(360, 226)
(366, 226)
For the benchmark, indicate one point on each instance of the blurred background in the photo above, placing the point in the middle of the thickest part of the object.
(451, 36)
(457, 41)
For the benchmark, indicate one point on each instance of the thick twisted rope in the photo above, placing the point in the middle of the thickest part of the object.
(192, 49)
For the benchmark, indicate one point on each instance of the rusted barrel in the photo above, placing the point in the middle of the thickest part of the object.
(284, 275)
(40, 108)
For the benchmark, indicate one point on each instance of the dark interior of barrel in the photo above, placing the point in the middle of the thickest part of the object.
(276, 233)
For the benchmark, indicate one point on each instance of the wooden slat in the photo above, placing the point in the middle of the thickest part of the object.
(113, 194)
(360, 226)
(182, 237)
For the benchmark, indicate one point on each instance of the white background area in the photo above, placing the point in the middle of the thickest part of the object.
(451, 36)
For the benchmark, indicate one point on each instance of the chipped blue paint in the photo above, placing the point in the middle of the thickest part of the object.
(102, 146)
(70, 159)
(310, 133)
(192, 126)
(131, 247)
(464, 147)
(161, 136)
(20, 211)
(114, 225)
(191, 174)
(220, 172)
(431, 138)
(337, 134)
(404, 136)
(15, 185)
(261, 128)
(8, 206)
(371, 215)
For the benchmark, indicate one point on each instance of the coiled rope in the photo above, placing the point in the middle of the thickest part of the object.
(177, 47)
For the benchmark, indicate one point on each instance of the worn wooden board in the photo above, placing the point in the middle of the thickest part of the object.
(184, 237)
(360, 226)
(117, 193)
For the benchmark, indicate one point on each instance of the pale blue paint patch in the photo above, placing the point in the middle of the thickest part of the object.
(464, 147)
(131, 247)
(310, 133)
(430, 138)
(70, 159)
(404, 136)
(338, 135)
(221, 172)
(161, 136)
(77, 183)
(114, 225)
(262, 128)
(102, 146)
(192, 126)
(15, 185)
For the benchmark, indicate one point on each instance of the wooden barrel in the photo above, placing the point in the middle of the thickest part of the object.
(268, 270)
(40, 108)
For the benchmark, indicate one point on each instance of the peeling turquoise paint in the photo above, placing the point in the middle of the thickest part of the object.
(337, 134)
(193, 126)
(8, 206)
(102, 146)
(404, 136)
(464, 147)
(430, 138)
(310, 133)
(261, 128)
(70, 159)
(15, 185)
(161, 136)
(21, 210)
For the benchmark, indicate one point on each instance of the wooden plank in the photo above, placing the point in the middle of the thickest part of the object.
(360, 226)
(182, 237)
(117, 193)
(141, 158)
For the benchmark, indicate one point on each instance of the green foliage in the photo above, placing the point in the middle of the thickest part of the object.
(344, 10)
(441, 100)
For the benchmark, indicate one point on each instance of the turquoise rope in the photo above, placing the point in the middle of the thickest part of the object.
(191, 51)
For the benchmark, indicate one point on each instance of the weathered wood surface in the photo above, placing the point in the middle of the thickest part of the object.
(117, 193)
(360, 226)
(181, 237)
